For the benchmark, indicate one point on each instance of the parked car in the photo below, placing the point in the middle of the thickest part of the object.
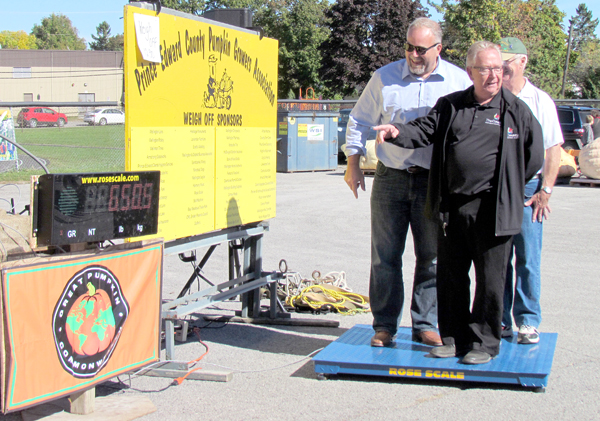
(40, 116)
(571, 120)
(342, 124)
(104, 116)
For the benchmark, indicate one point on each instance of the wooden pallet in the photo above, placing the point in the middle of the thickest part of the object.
(584, 182)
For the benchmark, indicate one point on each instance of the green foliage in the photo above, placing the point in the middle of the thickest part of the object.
(195, 7)
(100, 42)
(364, 35)
(584, 64)
(116, 43)
(584, 27)
(590, 86)
(300, 27)
(17, 40)
(57, 33)
(581, 69)
(536, 22)
(546, 45)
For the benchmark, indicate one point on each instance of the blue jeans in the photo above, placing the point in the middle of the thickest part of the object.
(397, 202)
(524, 297)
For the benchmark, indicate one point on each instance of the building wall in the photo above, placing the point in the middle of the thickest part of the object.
(61, 76)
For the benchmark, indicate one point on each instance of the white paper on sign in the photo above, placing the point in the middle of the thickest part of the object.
(147, 33)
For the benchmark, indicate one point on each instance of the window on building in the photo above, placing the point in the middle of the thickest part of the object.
(27, 97)
(21, 72)
(86, 97)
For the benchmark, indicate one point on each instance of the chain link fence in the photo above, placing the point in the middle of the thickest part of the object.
(65, 139)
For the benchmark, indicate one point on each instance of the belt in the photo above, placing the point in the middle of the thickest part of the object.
(415, 169)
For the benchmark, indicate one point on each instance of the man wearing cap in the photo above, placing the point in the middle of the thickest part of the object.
(524, 297)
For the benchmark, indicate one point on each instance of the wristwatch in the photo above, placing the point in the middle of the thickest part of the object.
(547, 189)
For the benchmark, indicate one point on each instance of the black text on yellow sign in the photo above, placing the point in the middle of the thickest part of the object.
(172, 52)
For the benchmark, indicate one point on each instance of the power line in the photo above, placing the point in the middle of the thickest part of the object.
(62, 77)
(61, 71)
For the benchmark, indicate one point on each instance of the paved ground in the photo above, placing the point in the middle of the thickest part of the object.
(320, 226)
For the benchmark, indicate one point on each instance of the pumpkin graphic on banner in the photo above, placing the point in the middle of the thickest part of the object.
(91, 323)
(88, 320)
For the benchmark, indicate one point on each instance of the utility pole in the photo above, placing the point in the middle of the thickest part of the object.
(562, 92)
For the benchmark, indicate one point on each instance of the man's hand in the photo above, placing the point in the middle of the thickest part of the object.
(354, 176)
(540, 207)
(539, 201)
(385, 131)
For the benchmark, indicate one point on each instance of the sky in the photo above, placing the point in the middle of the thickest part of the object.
(87, 15)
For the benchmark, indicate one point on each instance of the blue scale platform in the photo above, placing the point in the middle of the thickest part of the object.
(352, 353)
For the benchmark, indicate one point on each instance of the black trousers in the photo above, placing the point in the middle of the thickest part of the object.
(469, 239)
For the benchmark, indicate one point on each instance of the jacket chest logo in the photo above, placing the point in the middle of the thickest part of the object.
(495, 121)
(512, 134)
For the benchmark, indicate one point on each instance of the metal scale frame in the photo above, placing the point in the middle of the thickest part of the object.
(352, 353)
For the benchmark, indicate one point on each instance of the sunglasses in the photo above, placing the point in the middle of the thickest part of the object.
(420, 50)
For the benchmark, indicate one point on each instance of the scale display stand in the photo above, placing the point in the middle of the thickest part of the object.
(246, 277)
(352, 353)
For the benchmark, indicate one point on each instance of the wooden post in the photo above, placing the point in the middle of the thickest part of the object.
(83, 403)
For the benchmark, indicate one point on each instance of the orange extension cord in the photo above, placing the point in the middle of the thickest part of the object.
(180, 380)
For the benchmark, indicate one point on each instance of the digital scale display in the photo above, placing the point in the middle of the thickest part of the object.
(78, 208)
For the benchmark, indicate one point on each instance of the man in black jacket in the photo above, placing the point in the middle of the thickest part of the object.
(486, 145)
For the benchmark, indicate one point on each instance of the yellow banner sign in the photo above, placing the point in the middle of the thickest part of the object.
(206, 117)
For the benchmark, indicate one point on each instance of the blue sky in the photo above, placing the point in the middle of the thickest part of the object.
(87, 15)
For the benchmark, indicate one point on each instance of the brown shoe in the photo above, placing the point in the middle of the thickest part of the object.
(381, 338)
(429, 337)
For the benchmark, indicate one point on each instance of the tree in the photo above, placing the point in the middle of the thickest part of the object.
(116, 43)
(590, 86)
(536, 22)
(546, 44)
(17, 40)
(584, 27)
(585, 57)
(103, 35)
(299, 25)
(194, 7)
(581, 69)
(57, 33)
(364, 35)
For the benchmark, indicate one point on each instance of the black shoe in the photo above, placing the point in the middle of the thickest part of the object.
(507, 332)
(476, 357)
(444, 351)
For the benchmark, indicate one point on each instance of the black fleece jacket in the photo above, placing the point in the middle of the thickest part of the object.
(521, 154)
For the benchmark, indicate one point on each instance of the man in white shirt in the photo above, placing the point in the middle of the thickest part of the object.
(524, 296)
(398, 93)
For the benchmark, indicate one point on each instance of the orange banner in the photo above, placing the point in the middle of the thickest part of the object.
(72, 323)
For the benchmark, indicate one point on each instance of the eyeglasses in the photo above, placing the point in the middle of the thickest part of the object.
(420, 50)
(484, 71)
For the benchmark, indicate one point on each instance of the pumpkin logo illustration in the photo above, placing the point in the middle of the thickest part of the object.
(88, 320)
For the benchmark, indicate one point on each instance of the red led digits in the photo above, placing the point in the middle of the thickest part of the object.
(122, 197)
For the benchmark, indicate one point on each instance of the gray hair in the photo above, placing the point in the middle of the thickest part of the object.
(427, 23)
(519, 57)
(478, 47)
